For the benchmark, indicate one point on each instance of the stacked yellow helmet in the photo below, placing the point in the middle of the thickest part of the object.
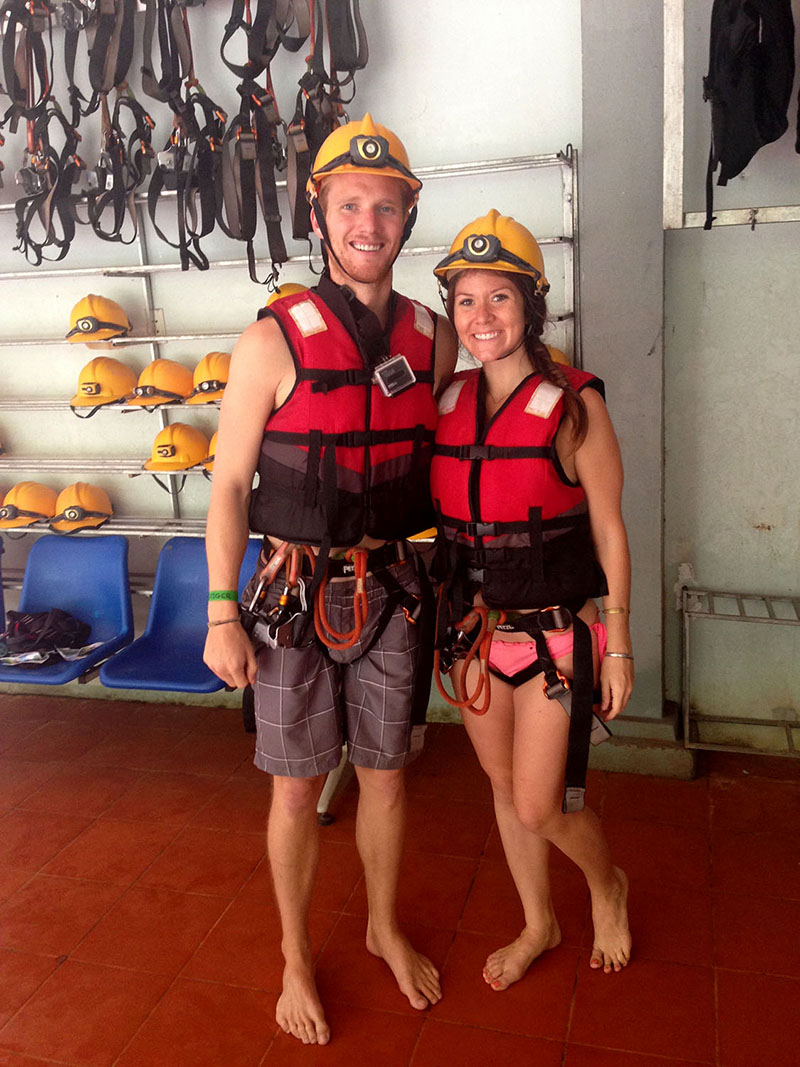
(96, 318)
(81, 506)
(210, 378)
(177, 448)
(163, 381)
(26, 504)
(103, 381)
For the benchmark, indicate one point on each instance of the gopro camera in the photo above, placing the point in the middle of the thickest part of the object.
(394, 376)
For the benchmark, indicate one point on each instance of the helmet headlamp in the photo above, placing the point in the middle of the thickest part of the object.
(369, 151)
(154, 390)
(482, 248)
(75, 513)
(88, 324)
(11, 511)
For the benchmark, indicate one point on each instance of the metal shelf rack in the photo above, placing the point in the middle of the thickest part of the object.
(567, 239)
(770, 610)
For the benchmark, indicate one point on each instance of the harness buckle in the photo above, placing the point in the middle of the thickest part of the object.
(557, 689)
(31, 180)
(560, 618)
(573, 799)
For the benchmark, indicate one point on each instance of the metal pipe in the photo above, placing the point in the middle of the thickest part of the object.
(147, 286)
(452, 170)
(223, 264)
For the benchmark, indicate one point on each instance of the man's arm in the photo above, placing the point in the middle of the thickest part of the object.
(261, 374)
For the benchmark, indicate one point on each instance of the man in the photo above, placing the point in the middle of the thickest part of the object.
(331, 396)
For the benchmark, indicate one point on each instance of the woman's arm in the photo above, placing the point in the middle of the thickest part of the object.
(598, 468)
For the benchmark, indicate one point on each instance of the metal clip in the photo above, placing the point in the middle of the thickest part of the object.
(573, 799)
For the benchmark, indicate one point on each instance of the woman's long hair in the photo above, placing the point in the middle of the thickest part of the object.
(535, 312)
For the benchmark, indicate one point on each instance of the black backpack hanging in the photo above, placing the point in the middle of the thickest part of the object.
(749, 83)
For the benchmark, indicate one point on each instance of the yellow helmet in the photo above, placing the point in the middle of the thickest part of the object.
(27, 503)
(557, 355)
(163, 381)
(495, 242)
(208, 462)
(81, 507)
(287, 289)
(362, 146)
(177, 447)
(210, 378)
(96, 318)
(103, 381)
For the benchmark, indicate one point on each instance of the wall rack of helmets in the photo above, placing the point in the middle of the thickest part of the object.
(138, 525)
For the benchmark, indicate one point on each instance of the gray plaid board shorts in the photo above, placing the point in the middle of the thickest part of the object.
(310, 700)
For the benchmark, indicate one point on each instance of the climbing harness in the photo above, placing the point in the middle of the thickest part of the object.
(319, 107)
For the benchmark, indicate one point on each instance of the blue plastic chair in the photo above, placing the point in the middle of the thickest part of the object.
(88, 577)
(169, 654)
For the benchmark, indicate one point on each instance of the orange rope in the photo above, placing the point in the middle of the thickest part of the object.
(487, 620)
(325, 632)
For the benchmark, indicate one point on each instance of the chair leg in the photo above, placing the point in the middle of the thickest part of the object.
(335, 781)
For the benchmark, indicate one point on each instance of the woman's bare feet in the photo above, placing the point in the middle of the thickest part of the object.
(510, 963)
(612, 938)
(416, 976)
(299, 1011)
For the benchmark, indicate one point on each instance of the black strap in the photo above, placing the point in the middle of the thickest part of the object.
(350, 439)
(473, 452)
(580, 720)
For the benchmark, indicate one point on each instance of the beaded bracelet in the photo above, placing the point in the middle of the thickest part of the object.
(620, 655)
(223, 594)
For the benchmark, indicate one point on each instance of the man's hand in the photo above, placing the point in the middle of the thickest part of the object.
(229, 654)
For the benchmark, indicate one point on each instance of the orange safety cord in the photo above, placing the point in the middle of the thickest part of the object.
(488, 620)
(325, 632)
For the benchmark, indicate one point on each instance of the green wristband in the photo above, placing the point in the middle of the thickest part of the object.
(223, 594)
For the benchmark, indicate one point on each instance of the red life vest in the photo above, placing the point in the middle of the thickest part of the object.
(514, 524)
(339, 459)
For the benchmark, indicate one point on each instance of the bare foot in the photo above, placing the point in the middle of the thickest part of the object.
(510, 963)
(299, 1011)
(416, 976)
(612, 938)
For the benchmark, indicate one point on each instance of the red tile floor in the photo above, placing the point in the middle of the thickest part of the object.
(137, 927)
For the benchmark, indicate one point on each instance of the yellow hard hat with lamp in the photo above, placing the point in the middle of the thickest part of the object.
(362, 147)
(208, 462)
(287, 289)
(163, 381)
(210, 378)
(96, 318)
(177, 448)
(557, 355)
(26, 504)
(495, 242)
(81, 506)
(101, 382)
(359, 147)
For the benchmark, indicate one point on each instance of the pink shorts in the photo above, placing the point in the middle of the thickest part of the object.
(510, 657)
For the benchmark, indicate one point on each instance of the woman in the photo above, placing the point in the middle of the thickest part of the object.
(527, 480)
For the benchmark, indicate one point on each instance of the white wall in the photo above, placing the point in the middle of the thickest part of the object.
(732, 401)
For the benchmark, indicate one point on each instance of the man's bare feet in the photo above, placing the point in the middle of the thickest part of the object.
(299, 1011)
(416, 976)
(612, 938)
(510, 963)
